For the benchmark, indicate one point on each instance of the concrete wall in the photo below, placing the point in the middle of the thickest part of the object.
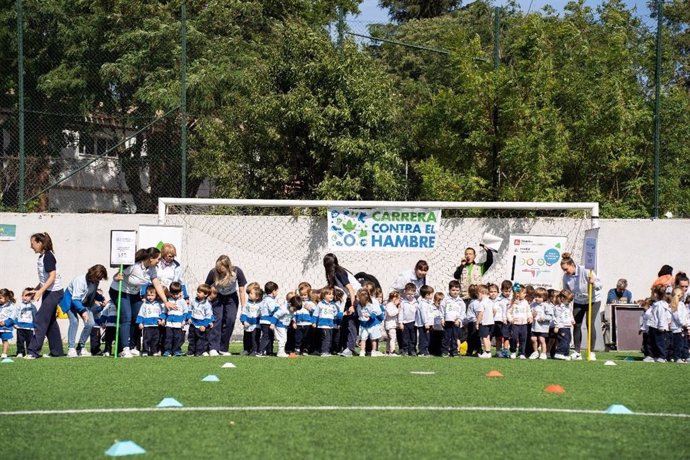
(288, 250)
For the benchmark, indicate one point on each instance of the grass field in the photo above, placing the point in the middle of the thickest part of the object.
(442, 424)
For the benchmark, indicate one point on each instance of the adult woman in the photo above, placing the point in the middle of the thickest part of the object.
(79, 298)
(416, 276)
(143, 272)
(49, 292)
(228, 281)
(169, 269)
(470, 272)
(342, 279)
(578, 279)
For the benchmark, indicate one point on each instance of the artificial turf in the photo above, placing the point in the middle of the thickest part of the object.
(89, 383)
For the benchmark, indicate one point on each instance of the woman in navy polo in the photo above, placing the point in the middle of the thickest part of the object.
(228, 280)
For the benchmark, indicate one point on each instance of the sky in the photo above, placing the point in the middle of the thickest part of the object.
(370, 12)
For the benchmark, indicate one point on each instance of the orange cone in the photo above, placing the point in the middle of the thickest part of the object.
(292, 356)
(494, 374)
(556, 389)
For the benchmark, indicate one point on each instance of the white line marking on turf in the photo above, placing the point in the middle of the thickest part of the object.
(331, 408)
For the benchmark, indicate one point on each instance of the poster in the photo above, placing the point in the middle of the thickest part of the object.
(382, 229)
(590, 253)
(536, 260)
(8, 232)
(123, 247)
(157, 235)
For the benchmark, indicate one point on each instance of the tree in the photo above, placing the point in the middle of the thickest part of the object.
(406, 10)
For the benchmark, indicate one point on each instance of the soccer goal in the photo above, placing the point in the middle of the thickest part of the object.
(285, 240)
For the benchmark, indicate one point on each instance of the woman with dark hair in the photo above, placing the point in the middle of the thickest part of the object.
(416, 276)
(664, 278)
(49, 292)
(133, 277)
(577, 279)
(228, 280)
(78, 301)
(340, 278)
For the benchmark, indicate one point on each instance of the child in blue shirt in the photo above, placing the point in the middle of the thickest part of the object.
(282, 321)
(250, 319)
(562, 324)
(269, 306)
(175, 320)
(369, 316)
(26, 312)
(201, 321)
(324, 317)
(108, 322)
(151, 315)
(8, 316)
(304, 320)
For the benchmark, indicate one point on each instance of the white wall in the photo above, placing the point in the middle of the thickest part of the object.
(288, 250)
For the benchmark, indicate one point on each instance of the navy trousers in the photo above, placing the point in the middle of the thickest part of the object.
(46, 326)
(451, 334)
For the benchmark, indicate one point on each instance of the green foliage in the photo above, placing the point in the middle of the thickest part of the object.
(406, 10)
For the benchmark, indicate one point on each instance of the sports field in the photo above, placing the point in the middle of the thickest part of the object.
(313, 407)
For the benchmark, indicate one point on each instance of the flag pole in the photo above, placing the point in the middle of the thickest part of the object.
(117, 323)
(589, 318)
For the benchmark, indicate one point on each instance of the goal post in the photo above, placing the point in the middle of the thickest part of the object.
(289, 248)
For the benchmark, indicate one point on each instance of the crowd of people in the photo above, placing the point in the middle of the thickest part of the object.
(350, 315)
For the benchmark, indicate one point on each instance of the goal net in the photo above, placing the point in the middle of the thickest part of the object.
(285, 240)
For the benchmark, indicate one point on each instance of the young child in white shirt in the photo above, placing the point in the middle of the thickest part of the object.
(26, 312)
(563, 322)
(424, 320)
(250, 319)
(519, 316)
(406, 320)
(485, 320)
(453, 314)
(541, 321)
(390, 322)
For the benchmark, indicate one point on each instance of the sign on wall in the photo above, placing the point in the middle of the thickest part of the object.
(382, 229)
(157, 235)
(536, 260)
(590, 253)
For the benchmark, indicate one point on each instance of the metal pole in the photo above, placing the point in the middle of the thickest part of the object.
(20, 93)
(340, 27)
(495, 173)
(657, 104)
(183, 101)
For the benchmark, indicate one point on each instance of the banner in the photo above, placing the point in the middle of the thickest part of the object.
(536, 260)
(123, 247)
(590, 254)
(383, 229)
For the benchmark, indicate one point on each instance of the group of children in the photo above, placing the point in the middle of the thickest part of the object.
(423, 322)
(664, 326)
(524, 322)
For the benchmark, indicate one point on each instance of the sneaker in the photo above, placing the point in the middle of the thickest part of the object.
(85, 353)
(252, 354)
(498, 354)
(214, 353)
(30, 357)
(362, 353)
(135, 352)
(72, 353)
(106, 354)
(592, 356)
(523, 357)
(3, 355)
(576, 356)
(534, 355)
(224, 353)
(327, 355)
(346, 353)
(143, 355)
(167, 354)
(244, 353)
(513, 355)
(205, 353)
(258, 355)
(282, 355)
(660, 360)
(126, 353)
(19, 356)
(484, 355)
(560, 356)
(542, 356)
(648, 359)
(376, 353)
(158, 353)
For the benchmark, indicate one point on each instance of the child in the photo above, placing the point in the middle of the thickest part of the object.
(369, 322)
(201, 321)
(390, 323)
(453, 314)
(250, 319)
(108, 322)
(269, 305)
(406, 320)
(679, 327)
(8, 316)
(473, 341)
(519, 317)
(324, 316)
(541, 320)
(645, 321)
(151, 315)
(549, 308)
(26, 312)
(424, 320)
(436, 340)
(503, 303)
(340, 337)
(304, 320)
(499, 319)
(282, 320)
(175, 319)
(661, 323)
(485, 320)
(562, 323)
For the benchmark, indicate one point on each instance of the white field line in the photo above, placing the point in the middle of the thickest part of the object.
(331, 408)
